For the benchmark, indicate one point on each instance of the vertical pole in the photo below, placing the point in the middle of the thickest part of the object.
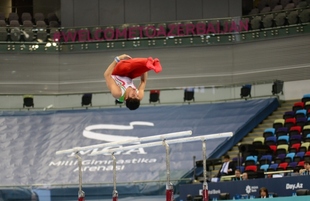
(169, 186)
(194, 166)
(81, 194)
(115, 193)
(205, 193)
(239, 155)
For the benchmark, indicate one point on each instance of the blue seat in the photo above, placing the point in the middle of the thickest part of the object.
(301, 121)
(272, 140)
(289, 114)
(307, 138)
(305, 98)
(292, 165)
(241, 168)
(273, 167)
(281, 131)
(237, 160)
(301, 113)
(280, 158)
(265, 159)
(283, 139)
(250, 160)
(264, 167)
(295, 139)
(289, 157)
(269, 132)
(299, 156)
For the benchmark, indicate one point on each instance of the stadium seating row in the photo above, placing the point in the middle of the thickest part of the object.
(288, 141)
(27, 20)
(266, 6)
(277, 19)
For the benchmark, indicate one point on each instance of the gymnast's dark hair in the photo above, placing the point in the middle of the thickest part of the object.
(132, 103)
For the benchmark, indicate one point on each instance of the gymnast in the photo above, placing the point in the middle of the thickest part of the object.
(120, 74)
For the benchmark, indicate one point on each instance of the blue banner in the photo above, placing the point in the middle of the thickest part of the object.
(29, 141)
(284, 186)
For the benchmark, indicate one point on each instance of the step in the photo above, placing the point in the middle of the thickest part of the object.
(259, 130)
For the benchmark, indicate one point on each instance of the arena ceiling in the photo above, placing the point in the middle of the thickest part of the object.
(262, 61)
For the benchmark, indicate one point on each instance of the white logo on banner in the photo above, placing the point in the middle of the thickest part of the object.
(107, 164)
(211, 192)
(89, 133)
(251, 189)
(294, 186)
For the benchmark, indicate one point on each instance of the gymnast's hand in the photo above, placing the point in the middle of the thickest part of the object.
(124, 57)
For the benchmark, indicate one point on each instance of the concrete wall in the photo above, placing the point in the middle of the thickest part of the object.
(5, 7)
(39, 6)
(47, 6)
(111, 12)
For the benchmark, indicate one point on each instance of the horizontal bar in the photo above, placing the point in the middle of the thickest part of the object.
(227, 176)
(175, 141)
(279, 172)
(143, 139)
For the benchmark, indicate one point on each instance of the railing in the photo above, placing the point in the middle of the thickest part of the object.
(158, 35)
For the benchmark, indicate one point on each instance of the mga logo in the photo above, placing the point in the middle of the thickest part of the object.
(92, 133)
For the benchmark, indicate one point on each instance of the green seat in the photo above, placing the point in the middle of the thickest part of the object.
(278, 123)
(258, 141)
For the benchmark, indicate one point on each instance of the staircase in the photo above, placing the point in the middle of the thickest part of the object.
(258, 131)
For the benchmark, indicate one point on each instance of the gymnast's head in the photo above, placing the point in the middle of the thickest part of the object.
(132, 103)
(132, 98)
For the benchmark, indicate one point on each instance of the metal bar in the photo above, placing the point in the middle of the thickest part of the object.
(279, 172)
(204, 164)
(169, 186)
(115, 193)
(143, 139)
(194, 168)
(81, 194)
(205, 193)
(174, 141)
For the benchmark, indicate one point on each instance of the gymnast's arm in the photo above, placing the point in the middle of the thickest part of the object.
(142, 85)
(114, 89)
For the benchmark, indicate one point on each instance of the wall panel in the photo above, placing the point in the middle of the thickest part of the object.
(188, 10)
(235, 8)
(86, 13)
(137, 11)
(215, 9)
(47, 6)
(67, 13)
(5, 7)
(111, 12)
(163, 10)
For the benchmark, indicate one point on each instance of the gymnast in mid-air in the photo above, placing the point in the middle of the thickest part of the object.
(120, 74)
